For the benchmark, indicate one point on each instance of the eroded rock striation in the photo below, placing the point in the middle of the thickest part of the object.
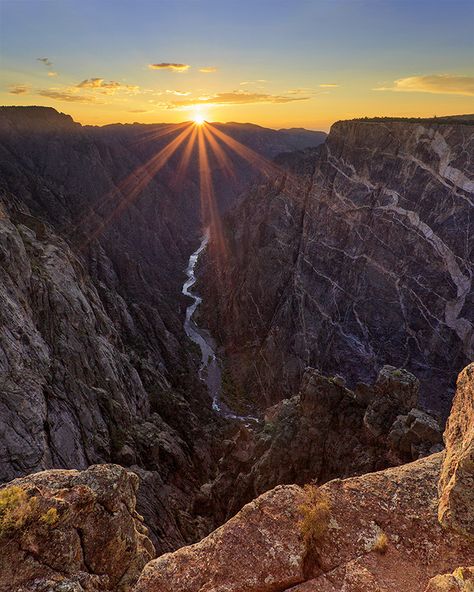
(359, 255)
(70, 530)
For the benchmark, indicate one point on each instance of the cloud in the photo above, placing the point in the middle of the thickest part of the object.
(208, 69)
(19, 89)
(446, 84)
(329, 85)
(169, 66)
(178, 93)
(70, 97)
(247, 82)
(52, 74)
(46, 61)
(108, 88)
(300, 91)
(138, 110)
(238, 97)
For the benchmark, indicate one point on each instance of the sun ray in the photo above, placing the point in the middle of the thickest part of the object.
(185, 159)
(265, 166)
(209, 211)
(219, 153)
(131, 187)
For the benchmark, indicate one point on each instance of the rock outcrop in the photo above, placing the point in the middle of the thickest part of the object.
(461, 580)
(359, 255)
(383, 536)
(259, 549)
(456, 484)
(324, 432)
(72, 531)
(377, 532)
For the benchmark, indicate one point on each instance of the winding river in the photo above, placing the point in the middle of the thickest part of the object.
(210, 370)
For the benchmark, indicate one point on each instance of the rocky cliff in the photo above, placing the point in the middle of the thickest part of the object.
(357, 255)
(375, 533)
(94, 362)
(323, 432)
(72, 531)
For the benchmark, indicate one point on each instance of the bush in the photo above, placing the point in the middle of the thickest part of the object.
(18, 510)
(15, 508)
(316, 514)
(50, 517)
(381, 543)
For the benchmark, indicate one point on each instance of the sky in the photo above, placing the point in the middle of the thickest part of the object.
(277, 63)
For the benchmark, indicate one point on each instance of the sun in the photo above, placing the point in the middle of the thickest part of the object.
(198, 119)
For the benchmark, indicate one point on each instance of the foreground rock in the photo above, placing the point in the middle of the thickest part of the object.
(383, 535)
(456, 485)
(71, 531)
(259, 549)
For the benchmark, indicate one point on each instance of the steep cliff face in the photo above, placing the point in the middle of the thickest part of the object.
(94, 362)
(359, 256)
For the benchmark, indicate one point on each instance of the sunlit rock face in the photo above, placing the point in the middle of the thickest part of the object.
(72, 531)
(456, 484)
(382, 535)
(360, 256)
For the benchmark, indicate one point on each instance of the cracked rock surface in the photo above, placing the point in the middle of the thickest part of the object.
(361, 255)
(93, 540)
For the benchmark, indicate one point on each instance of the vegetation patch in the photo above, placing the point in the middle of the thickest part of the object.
(380, 545)
(316, 515)
(18, 510)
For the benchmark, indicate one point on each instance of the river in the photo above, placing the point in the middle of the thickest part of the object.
(210, 369)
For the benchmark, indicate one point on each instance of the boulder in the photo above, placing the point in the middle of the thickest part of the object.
(415, 435)
(461, 580)
(72, 531)
(456, 484)
(261, 549)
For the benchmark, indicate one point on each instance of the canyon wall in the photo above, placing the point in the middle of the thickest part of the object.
(94, 362)
(358, 254)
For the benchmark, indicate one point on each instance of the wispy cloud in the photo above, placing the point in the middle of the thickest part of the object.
(208, 69)
(238, 97)
(169, 66)
(105, 87)
(138, 110)
(329, 85)
(46, 61)
(68, 96)
(178, 93)
(445, 84)
(19, 89)
(252, 82)
(52, 74)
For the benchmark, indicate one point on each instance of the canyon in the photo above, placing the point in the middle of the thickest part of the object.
(168, 392)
